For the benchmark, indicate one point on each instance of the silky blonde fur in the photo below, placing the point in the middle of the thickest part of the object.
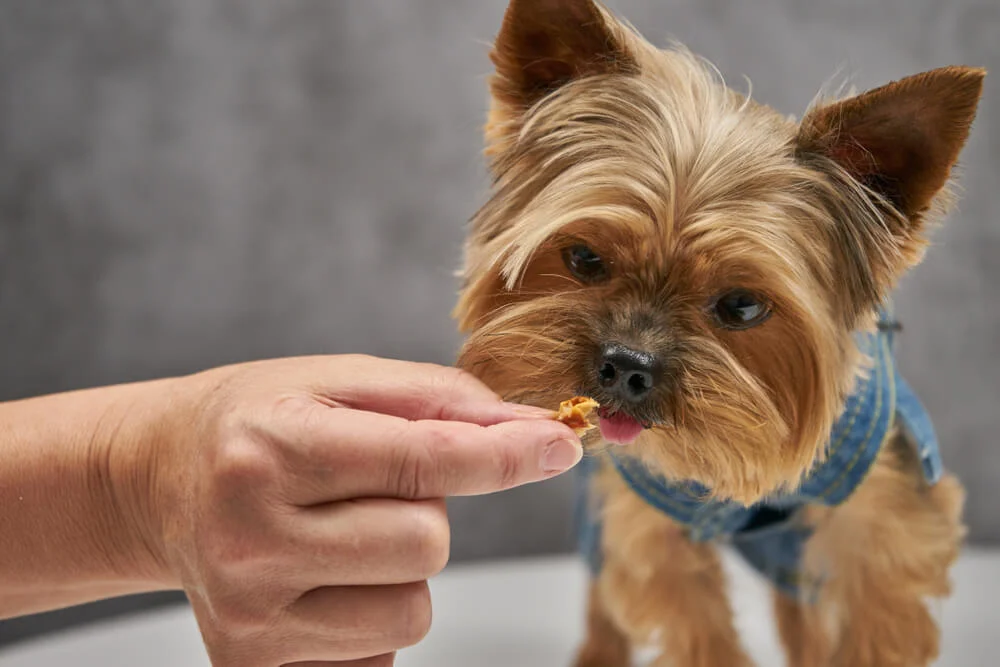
(687, 188)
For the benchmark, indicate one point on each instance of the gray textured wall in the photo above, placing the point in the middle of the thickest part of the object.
(192, 182)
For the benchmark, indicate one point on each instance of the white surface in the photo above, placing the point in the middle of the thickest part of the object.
(514, 614)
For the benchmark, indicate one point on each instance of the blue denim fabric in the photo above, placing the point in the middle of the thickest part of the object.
(769, 534)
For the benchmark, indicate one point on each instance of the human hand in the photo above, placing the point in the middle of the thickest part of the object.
(301, 500)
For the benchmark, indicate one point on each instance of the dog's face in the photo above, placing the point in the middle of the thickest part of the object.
(692, 259)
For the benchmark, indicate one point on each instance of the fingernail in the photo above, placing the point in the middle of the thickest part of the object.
(530, 410)
(561, 455)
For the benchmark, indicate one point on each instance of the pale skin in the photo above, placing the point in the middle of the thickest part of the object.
(298, 502)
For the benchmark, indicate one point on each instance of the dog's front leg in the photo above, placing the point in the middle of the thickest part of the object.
(658, 588)
(605, 645)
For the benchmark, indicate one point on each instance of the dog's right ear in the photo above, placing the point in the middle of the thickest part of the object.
(544, 44)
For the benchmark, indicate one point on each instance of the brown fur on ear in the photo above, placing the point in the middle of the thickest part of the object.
(544, 44)
(902, 139)
(899, 141)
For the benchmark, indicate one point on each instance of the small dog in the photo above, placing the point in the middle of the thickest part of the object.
(717, 276)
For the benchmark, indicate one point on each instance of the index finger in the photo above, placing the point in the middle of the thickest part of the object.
(352, 454)
(412, 390)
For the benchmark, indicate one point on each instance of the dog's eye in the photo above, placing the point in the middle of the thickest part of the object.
(585, 264)
(740, 309)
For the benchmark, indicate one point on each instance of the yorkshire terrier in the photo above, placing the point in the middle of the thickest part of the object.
(717, 276)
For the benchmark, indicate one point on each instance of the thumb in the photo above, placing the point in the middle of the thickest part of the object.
(442, 459)
(371, 455)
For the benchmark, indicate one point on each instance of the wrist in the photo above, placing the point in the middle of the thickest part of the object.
(132, 442)
(155, 464)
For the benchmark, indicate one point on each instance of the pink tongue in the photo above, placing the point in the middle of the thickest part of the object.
(620, 428)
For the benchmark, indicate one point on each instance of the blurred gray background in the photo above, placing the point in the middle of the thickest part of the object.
(186, 183)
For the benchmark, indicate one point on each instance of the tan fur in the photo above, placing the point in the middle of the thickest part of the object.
(687, 189)
(605, 643)
(659, 588)
(887, 551)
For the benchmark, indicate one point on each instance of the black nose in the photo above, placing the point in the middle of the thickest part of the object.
(626, 373)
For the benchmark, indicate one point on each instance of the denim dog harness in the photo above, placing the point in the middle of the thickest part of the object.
(769, 534)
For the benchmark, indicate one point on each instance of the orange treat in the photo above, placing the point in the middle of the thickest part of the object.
(576, 413)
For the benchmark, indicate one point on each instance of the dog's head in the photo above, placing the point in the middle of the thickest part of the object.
(691, 258)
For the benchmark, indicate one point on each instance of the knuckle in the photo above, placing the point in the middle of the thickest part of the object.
(415, 614)
(412, 470)
(292, 405)
(431, 547)
(239, 464)
(236, 528)
(404, 474)
(508, 466)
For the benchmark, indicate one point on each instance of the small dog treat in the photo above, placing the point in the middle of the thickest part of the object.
(576, 413)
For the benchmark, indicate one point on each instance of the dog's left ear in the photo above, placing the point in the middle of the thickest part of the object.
(545, 44)
(901, 142)
(902, 139)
